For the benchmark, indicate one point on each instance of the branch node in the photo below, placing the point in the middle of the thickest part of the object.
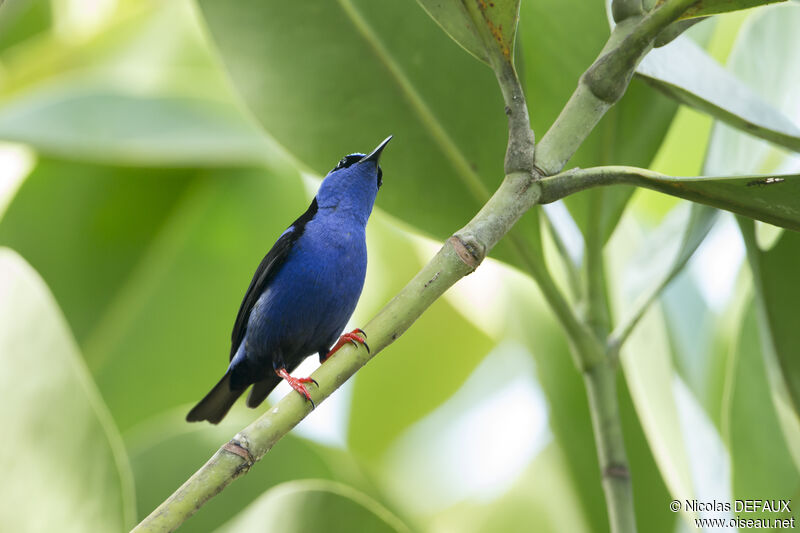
(470, 251)
(608, 78)
(617, 471)
(237, 448)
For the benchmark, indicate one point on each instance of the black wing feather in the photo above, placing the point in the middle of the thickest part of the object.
(266, 270)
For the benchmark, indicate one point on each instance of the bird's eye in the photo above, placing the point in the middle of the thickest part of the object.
(380, 178)
(348, 160)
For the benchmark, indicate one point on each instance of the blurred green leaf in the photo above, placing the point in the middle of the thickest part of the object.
(22, 19)
(145, 90)
(750, 406)
(108, 125)
(648, 369)
(568, 408)
(699, 354)
(549, 25)
(704, 8)
(64, 467)
(137, 255)
(166, 450)
(424, 367)
(354, 76)
(774, 276)
(529, 505)
(86, 247)
(766, 35)
(661, 258)
(688, 74)
(529, 320)
(305, 506)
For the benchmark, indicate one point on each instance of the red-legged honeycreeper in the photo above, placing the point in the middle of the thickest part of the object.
(303, 292)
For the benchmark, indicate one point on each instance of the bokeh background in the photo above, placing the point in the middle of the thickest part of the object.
(139, 190)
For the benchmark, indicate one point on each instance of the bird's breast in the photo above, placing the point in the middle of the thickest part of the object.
(315, 292)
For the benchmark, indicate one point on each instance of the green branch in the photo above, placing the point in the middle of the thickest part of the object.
(601, 389)
(459, 256)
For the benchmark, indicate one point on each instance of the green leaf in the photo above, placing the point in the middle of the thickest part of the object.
(774, 273)
(647, 359)
(529, 505)
(661, 258)
(155, 252)
(700, 340)
(86, 246)
(372, 80)
(454, 18)
(773, 199)
(647, 365)
(686, 72)
(569, 415)
(23, 19)
(749, 406)
(64, 468)
(770, 198)
(145, 91)
(108, 125)
(766, 35)
(166, 450)
(529, 320)
(500, 18)
(704, 8)
(475, 23)
(303, 506)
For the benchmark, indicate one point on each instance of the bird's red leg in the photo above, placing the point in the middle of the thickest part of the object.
(357, 336)
(297, 383)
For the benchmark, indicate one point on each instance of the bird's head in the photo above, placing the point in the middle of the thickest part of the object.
(353, 185)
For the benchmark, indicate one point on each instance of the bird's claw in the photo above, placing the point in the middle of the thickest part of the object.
(298, 384)
(354, 337)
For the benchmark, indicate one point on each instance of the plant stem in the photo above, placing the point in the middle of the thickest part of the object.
(603, 84)
(601, 388)
(600, 87)
(459, 256)
(599, 312)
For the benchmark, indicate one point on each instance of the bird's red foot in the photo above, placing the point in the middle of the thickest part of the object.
(298, 384)
(357, 336)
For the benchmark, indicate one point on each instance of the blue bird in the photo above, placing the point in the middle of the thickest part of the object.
(303, 292)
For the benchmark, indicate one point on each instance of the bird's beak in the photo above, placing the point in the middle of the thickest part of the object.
(376, 153)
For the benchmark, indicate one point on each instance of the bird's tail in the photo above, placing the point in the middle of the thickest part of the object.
(261, 390)
(217, 403)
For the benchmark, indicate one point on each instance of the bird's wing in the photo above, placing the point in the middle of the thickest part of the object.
(266, 270)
